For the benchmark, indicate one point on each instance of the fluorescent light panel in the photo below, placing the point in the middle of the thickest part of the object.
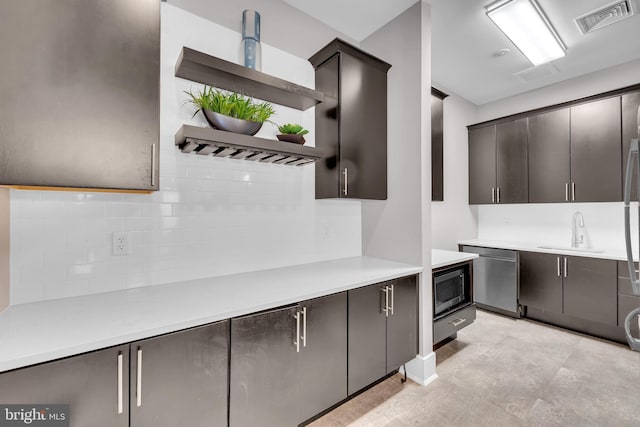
(524, 23)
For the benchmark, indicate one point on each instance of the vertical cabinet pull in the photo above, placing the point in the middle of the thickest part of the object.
(558, 265)
(297, 341)
(498, 196)
(139, 379)
(304, 326)
(392, 300)
(493, 195)
(346, 185)
(566, 270)
(386, 301)
(573, 191)
(566, 191)
(120, 360)
(153, 165)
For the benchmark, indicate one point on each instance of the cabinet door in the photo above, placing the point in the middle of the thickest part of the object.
(596, 150)
(328, 130)
(323, 355)
(549, 157)
(541, 281)
(511, 162)
(590, 289)
(437, 148)
(363, 129)
(367, 340)
(90, 384)
(80, 96)
(264, 369)
(630, 130)
(181, 378)
(482, 165)
(402, 323)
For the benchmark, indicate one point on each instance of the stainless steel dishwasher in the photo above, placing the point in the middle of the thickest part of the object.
(495, 279)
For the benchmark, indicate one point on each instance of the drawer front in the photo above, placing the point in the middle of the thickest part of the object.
(449, 325)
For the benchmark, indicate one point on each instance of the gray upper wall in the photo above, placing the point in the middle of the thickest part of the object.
(282, 26)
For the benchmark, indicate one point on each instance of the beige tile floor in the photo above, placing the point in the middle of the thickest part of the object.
(505, 372)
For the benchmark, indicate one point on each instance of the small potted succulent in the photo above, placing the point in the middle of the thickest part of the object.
(292, 132)
(231, 112)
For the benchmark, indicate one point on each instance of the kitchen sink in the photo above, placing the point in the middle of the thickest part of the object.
(569, 248)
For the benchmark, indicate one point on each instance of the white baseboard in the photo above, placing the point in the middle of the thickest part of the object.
(422, 369)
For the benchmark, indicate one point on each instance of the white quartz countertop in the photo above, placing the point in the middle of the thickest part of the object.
(442, 258)
(619, 255)
(44, 331)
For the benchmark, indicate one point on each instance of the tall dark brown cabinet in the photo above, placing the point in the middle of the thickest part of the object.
(351, 124)
(596, 151)
(437, 145)
(80, 93)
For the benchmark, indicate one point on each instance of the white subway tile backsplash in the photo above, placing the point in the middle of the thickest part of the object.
(211, 217)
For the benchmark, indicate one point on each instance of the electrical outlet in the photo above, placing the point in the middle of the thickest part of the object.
(120, 243)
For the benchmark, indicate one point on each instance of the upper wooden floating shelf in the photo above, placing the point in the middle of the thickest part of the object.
(206, 69)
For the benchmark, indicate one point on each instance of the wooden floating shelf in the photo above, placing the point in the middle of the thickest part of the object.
(210, 70)
(218, 143)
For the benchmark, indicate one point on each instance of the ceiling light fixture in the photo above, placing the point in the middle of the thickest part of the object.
(526, 25)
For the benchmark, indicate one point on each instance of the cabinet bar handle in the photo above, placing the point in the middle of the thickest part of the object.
(386, 301)
(346, 186)
(139, 379)
(120, 360)
(566, 270)
(392, 300)
(566, 191)
(493, 195)
(304, 326)
(498, 197)
(573, 191)
(297, 341)
(558, 264)
(153, 164)
(456, 322)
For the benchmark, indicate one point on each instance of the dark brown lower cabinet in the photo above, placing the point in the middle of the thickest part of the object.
(590, 289)
(541, 281)
(288, 364)
(626, 304)
(94, 385)
(575, 292)
(382, 330)
(181, 378)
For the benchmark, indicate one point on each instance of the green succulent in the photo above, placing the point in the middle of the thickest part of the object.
(231, 104)
(292, 129)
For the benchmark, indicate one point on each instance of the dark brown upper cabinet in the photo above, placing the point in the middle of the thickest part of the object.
(437, 145)
(498, 163)
(596, 151)
(482, 165)
(549, 157)
(351, 123)
(630, 125)
(80, 94)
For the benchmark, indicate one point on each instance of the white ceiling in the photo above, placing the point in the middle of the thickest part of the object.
(464, 40)
(356, 18)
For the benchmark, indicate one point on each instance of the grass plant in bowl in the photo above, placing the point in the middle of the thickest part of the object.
(230, 111)
(292, 132)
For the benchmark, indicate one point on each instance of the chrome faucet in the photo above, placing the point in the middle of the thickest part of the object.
(577, 231)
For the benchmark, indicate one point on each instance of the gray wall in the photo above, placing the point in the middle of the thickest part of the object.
(399, 228)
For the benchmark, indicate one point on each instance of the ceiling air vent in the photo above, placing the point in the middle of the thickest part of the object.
(604, 16)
